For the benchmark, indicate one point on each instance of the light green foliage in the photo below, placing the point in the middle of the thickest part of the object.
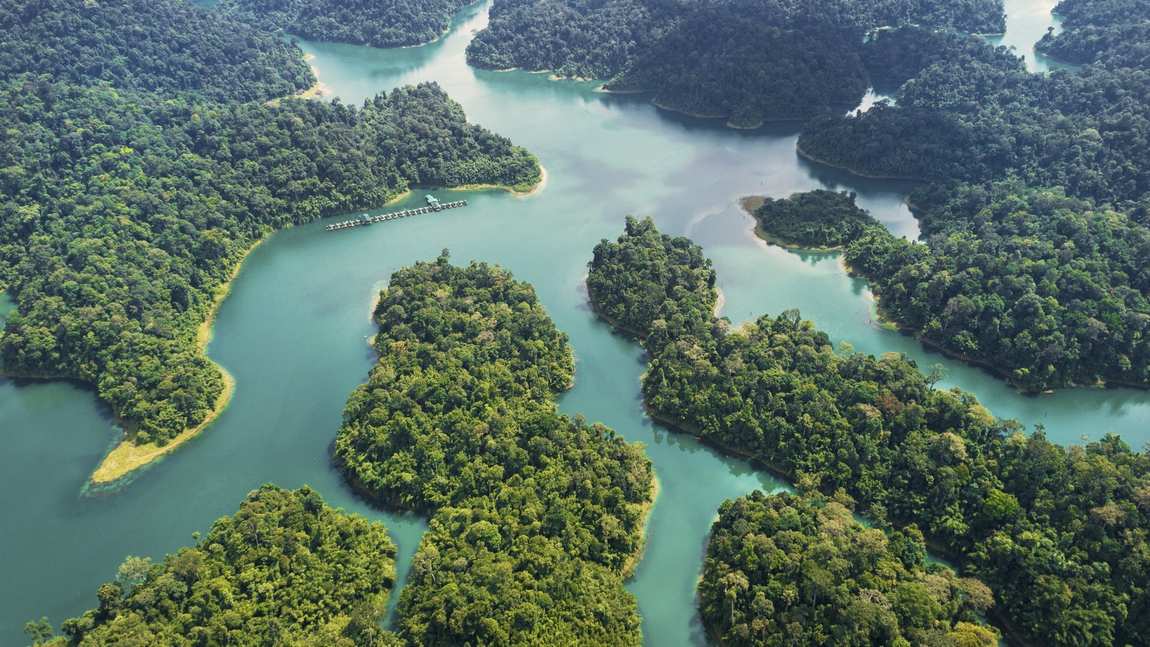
(799, 570)
(536, 517)
(285, 569)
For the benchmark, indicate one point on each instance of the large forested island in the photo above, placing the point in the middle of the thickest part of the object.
(285, 569)
(125, 212)
(746, 62)
(798, 570)
(1059, 534)
(536, 517)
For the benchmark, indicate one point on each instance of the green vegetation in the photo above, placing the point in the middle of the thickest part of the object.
(1040, 185)
(536, 517)
(894, 56)
(1060, 534)
(1047, 289)
(747, 62)
(813, 220)
(799, 570)
(1115, 33)
(163, 46)
(977, 118)
(124, 213)
(392, 23)
(285, 569)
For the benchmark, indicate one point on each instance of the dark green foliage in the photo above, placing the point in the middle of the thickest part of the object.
(123, 213)
(285, 569)
(650, 284)
(744, 60)
(1115, 33)
(1060, 534)
(536, 517)
(815, 219)
(974, 120)
(799, 570)
(1049, 290)
(894, 56)
(379, 23)
(166, 46)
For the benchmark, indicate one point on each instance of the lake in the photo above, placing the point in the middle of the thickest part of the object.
(294, 332)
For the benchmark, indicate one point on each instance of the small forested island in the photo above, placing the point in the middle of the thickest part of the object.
(744, 62)
(378, 23)
(820, 220)
(799, 570)
(536, 518)
(1059, 534)
(284, 569)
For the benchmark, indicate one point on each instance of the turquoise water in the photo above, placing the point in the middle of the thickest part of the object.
(294, 333)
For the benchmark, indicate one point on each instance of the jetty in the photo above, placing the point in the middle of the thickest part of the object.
(433, 206)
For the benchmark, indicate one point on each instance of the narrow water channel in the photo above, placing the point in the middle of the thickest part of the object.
(294, 333)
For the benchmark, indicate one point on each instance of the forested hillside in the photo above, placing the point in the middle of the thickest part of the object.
(1045, 289)
(747, 61)
(285, 569)
(1115, 33)
(379, 23)
(799, 570)
(535, 517)
(1060, 534)
(124, 213)
(165, 46)
(1041, 278)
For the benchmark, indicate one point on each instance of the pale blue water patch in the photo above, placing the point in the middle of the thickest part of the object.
(1027, 21)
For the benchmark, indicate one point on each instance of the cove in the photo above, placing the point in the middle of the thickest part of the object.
(294, 333)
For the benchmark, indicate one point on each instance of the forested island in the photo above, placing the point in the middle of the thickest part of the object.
(126, 212)
(284, 569)
(799, 570)
(390, 23)
(746, 62)
(817, 220)
(536, 517)
(1059, 534)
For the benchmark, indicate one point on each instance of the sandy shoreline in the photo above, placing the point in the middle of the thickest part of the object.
(127, 457)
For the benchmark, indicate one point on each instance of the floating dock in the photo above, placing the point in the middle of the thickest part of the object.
(433, 206)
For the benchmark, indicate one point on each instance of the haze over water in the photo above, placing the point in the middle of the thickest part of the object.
(294, 333)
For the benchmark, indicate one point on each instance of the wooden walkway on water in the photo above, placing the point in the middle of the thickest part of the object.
(365, 219)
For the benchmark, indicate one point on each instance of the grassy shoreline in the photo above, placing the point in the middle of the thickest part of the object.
(632, 563)
(127, 457)
(521, 190)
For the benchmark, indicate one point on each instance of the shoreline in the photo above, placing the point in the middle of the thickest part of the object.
(514, 190)
(842, 167)
(751, 204)
(126, 458)
(627, 570)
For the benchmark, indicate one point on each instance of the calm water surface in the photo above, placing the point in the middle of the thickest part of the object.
(294, 333)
